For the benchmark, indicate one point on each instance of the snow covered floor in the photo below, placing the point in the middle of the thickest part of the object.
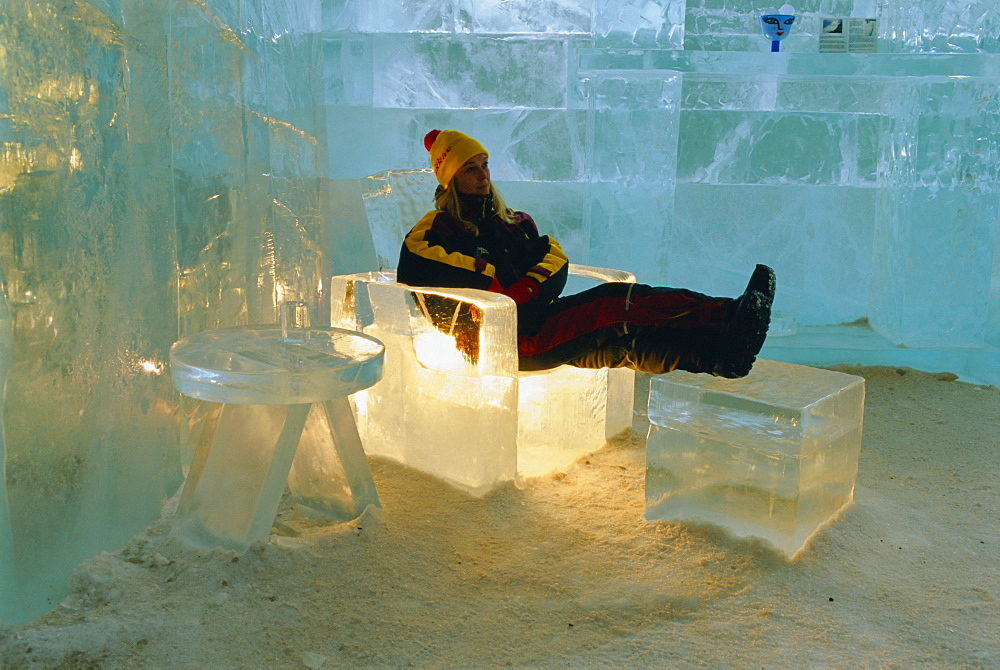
(563, 571)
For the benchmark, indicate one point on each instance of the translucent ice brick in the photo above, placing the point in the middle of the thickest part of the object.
(941, 26)
(819, 238)
(452, 402)
(460, 16)
(657, 24)
(525, 16)
(454, 71)
(773, 455)
(394, 201)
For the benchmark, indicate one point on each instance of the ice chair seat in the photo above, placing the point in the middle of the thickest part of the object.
(472, 420)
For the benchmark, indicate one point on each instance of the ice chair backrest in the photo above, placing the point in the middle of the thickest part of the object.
(394, 201)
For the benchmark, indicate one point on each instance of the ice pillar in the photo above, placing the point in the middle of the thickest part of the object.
(8, 586)
(156, 179)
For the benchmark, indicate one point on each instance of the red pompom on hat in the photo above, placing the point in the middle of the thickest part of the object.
(429, 138)
(449, 150)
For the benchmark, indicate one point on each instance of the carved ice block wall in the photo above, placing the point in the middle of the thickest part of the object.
(773, 455)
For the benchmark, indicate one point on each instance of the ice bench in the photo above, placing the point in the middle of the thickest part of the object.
(773, 455)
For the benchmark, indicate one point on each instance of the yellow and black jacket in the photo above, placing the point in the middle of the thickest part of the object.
(652, 329)
(443, 251)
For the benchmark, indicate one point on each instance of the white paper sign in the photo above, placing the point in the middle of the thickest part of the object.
(848, 34)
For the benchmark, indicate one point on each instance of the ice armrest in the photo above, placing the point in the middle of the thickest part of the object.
(601, 274)
(462, 331)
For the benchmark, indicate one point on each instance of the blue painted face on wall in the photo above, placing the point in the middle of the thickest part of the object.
(776, 26)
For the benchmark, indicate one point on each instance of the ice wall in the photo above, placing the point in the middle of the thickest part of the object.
(244, 145)
(688, 153)
(158, 177)
(867, 181)
(169, 166)
(87, 255)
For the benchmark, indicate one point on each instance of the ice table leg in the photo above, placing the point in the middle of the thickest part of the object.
(330, 472)
(238, 474)
(244, 457)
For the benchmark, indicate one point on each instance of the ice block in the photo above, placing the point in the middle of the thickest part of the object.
(472, 420)
(773, 455)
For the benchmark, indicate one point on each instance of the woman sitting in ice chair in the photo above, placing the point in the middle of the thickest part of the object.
(473, 240)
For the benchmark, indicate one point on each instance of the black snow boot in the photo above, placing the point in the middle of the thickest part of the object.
(745, 334)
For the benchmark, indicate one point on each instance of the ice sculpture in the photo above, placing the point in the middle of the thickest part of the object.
(452, 401)
(777, 24)
(773, 455)
(279, 404)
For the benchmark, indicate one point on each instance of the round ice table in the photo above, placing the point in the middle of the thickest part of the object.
(278, 412)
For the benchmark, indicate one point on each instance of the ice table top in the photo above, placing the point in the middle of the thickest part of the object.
(255, 365)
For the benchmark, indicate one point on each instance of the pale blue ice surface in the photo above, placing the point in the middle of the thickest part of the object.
(169, 168)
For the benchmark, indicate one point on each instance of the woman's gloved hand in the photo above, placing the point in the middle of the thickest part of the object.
(523, 290)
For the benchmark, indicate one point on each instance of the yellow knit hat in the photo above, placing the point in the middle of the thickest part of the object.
(449, 150)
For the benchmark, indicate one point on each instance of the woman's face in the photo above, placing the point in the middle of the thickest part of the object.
(473, 177)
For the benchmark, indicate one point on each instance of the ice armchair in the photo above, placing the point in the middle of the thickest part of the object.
(452, 402)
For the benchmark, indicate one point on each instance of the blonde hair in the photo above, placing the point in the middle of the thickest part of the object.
(447, 199)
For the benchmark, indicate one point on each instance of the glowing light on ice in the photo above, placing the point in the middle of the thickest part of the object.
(436, 351)
(151, 367)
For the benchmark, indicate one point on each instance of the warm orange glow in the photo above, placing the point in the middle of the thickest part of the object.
(151, 367)
(436, 351)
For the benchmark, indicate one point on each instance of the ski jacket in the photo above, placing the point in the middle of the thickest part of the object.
(512, 259)
(651, 329)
